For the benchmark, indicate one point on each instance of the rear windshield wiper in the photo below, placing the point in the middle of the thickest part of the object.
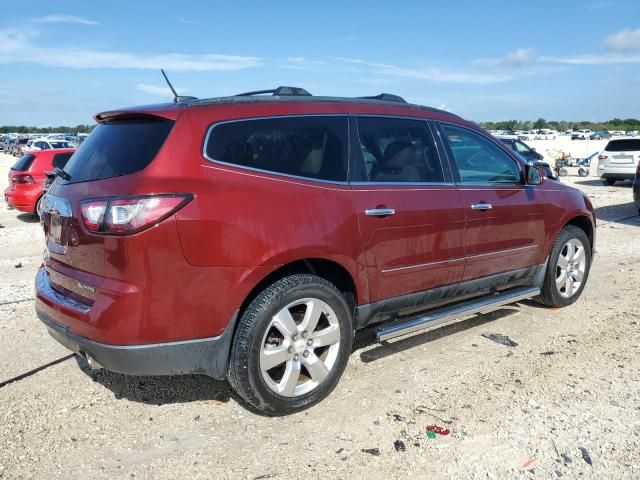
(62, 174)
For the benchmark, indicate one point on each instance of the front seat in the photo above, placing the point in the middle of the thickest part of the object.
(398, 165)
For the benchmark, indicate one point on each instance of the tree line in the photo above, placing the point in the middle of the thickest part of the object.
(613, 124)
(60, 129)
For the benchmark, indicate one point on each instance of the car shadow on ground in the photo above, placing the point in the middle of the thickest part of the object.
(28, 218)
(623, 213)
(366, 337)
(160, 390)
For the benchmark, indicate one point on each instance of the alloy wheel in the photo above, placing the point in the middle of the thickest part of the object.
(300, 347)
(570, 268)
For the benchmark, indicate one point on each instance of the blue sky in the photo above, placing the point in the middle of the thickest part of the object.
(63, 61)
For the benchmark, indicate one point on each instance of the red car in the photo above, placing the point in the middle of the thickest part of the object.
(28, 175)
(249, 237)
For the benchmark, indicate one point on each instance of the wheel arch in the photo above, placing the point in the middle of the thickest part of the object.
(330, 270)
(584, 223)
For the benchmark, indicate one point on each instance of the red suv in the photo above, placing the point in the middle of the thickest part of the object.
(249, 237)
(27, 177)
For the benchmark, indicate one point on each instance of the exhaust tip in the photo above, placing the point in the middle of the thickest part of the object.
(93, 363)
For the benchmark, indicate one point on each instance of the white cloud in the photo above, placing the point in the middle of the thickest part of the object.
(158, 90)
(186, 21)
(433, 74)
(594, 59)
(17, 46)
(517, 58)
(65, 19)
(624, 40)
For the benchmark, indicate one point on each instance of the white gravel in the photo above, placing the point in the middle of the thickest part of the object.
(524, 412)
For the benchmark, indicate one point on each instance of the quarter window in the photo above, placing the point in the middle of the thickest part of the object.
(312, 146)
(479, 161)
(398, 150)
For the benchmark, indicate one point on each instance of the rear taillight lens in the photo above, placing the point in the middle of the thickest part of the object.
(122, 216)
(602, 157)
(22, 179)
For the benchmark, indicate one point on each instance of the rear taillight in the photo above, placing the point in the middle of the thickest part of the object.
(122, 216)
(602, 157)
(22, 178)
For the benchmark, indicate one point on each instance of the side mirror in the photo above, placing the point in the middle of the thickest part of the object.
(533, 149)
(535, 175)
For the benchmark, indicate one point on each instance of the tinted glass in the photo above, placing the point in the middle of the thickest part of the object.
(118, 148)
(398, 150)
(314, 147)
(60, 160)
(479, 161)
(522, 148)
(623, 146)
(23, 163)
(59, 144)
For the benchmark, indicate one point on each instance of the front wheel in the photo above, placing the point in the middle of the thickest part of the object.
(568, 268)
(292, 344)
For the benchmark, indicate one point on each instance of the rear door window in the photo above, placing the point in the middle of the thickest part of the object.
(630, 145)
(118, 148)
(60, 160)
(23, 163)
(397, 150)
(308, 146)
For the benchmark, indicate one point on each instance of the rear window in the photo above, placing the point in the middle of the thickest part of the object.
(59, 144)
(23, 163)
(118, 148)
(630, 145)
(313, 146)
(60, 160)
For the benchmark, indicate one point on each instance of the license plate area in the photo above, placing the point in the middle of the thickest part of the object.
(621, 159)
(56, 213)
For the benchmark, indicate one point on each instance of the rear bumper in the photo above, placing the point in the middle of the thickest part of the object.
(626, 172)
(207, 356)
(24, 200)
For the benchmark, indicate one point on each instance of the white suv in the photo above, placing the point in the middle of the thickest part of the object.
(581, 134)
(619, 160)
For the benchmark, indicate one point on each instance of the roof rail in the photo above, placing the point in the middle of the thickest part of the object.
(386, 97)
(280, 91)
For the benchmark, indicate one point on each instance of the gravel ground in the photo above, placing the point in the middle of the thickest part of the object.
(563, 402)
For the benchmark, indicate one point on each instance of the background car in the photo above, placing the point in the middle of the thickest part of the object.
(28, 175)
(619, 160)
(17, 145)
(529, 154)
(581, 134)
(36, 144)
(600, 135)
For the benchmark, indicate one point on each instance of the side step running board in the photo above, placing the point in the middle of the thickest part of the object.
(453, 313)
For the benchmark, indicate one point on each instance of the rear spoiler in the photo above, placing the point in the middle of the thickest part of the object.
(170, 111)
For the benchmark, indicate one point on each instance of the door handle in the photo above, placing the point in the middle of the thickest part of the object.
(379, 212)
(481, 206)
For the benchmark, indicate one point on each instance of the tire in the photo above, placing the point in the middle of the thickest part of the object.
(583, 172)
(610, 182)
(261, 331)
(552, 293)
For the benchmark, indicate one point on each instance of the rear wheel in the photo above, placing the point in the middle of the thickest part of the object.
(609, 181)
(568, 268)
(292, 345)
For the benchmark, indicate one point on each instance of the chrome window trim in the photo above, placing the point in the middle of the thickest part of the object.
(211, 127)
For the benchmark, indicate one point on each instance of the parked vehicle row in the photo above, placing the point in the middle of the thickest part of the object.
(249, 237)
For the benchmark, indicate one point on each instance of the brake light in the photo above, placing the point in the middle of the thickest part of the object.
(22, 179)
(122, 216)
(602, 157)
